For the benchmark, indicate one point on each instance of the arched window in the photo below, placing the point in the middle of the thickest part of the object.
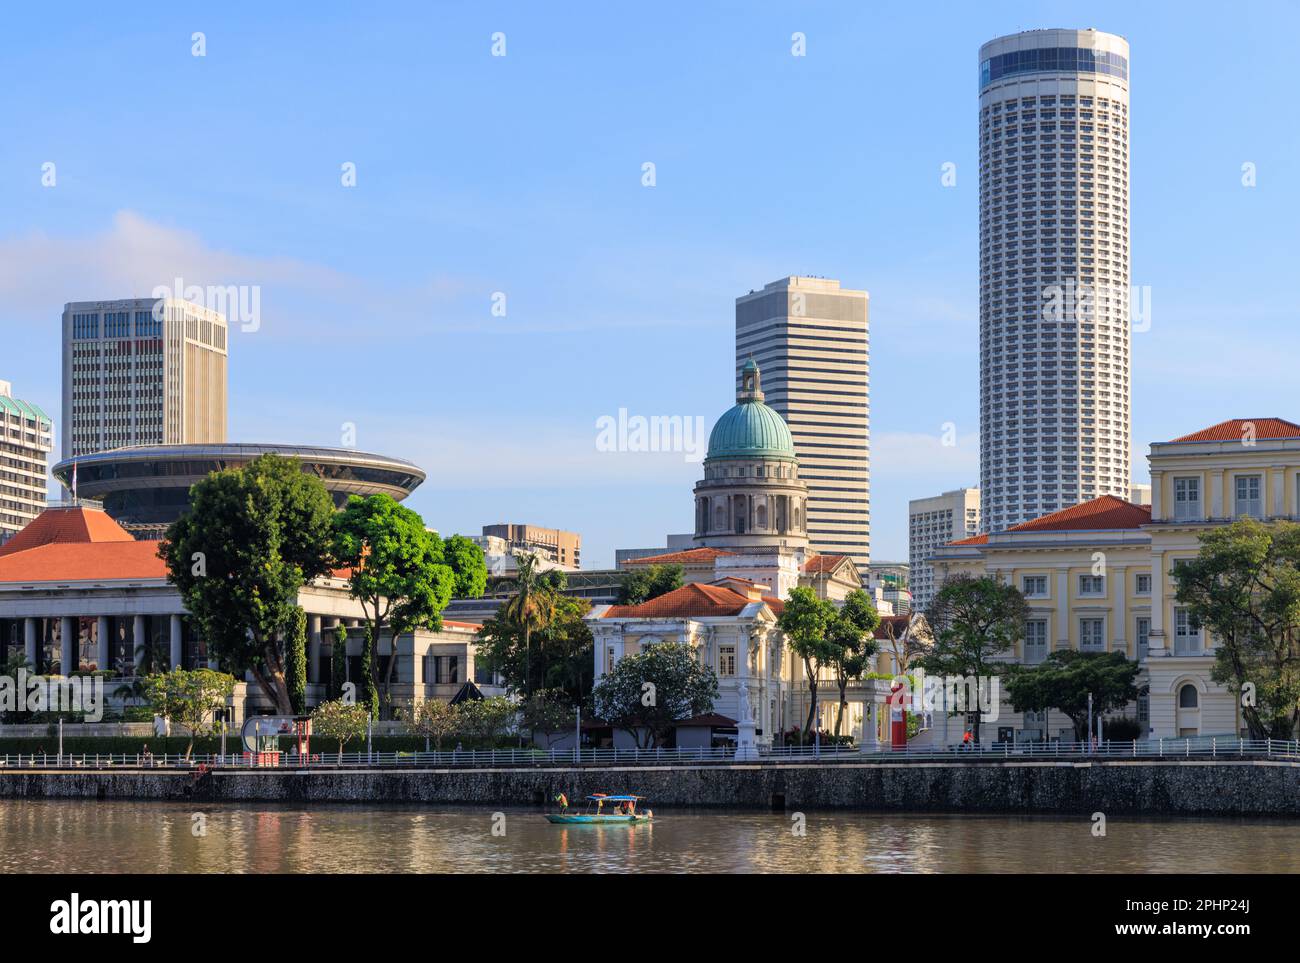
(1188, 697)
(720, 518)
(760, 516)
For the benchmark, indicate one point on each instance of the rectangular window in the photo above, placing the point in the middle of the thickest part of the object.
(1143, 637)
(1249, 500)
(1035, 641)
(1092, 635)
(1187, 634)
(446, 669)
(1143, 584)
(1144, 711)
(1092, 585)
(726, 660)
(1187, 499)
(1034, 586)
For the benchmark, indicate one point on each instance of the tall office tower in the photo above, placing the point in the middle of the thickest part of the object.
(136, 376)
(809, 337)
(931, 524)
(1054, 272)
(553, 544)
(26, 437)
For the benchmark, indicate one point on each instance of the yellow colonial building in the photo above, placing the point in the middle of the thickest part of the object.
(1098, 576)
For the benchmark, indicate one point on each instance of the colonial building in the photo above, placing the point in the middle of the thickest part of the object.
(752, 549)
(79, 593)
(1099, 576)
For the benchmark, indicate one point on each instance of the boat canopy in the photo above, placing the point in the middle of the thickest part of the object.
(601, 797)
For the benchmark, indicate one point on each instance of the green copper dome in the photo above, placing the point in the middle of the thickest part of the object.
(751, 429)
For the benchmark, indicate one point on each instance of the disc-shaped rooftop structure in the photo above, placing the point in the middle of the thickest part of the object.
(146, 487)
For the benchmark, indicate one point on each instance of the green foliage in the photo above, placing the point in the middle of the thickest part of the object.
(252, 538)
(647, 693)
(852, 641)
(367, 694)
(189, 697)
(974, 621)
(338, 661)
(483, 719)
(468, 567)
(806, 621)
(398, 573)
(1123, 729)
(551, 712)
(558, 656)
(1244, 588)
(339, 722)
(295, 659)
(1064, 680)
(434, 719)
(644, 582)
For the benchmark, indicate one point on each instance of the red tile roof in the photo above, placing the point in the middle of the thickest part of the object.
(1235, 429)
(775, 604)
(472, 626)
(695, 600)
(89, 562)
(973, 540)
(78, 526)
(692, 555)
(1106, 512)
(824, 563)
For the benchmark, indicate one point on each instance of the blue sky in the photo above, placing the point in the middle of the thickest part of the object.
(522, 174)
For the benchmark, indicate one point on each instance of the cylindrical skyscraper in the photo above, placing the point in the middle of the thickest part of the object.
(1054, 272)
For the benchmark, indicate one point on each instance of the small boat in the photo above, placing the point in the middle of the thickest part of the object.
(623, 809)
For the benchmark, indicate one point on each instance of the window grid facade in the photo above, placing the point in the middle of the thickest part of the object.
(809, 337)
(1054, 231)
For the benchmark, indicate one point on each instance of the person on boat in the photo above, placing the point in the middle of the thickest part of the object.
(563, 800)
(968, 740)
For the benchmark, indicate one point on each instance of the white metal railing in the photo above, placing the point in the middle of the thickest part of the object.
(1171, 749)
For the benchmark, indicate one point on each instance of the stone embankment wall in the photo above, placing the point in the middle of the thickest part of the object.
(1171, 787)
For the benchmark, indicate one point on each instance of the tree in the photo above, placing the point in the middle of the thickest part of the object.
(913, 639)
(468, 567)
(434, 719)
(1244, 587)
(852, 639)
(974, 621)
(805, 620)
(190, 697)
(339, 661)
(482, 720)
(644, 582)
(397, 574)
(559, 656)
(295, 656)
(367, 695)
(340, 721)
(253, 536)
(646, 694)
(552, 712)
(1064, 681)
(531, 608)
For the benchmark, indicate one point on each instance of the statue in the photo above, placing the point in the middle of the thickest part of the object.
(745, 713)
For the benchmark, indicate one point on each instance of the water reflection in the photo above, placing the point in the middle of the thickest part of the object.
(111, 836)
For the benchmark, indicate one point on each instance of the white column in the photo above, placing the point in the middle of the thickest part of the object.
(1156, 637)
(29, 642)
(1216, 495)
(69, 647)
(1157, 484)
(871, 734)
(313, 649)
(138, 641)
(176, 649)
(1119, 576)
(1062, 609)
(105, 652)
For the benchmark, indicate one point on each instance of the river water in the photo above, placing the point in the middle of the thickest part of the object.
(74, 836)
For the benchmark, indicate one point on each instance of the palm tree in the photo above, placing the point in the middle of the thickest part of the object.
(531, 607)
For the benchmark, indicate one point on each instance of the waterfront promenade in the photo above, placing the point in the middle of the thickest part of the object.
(1176, 785)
